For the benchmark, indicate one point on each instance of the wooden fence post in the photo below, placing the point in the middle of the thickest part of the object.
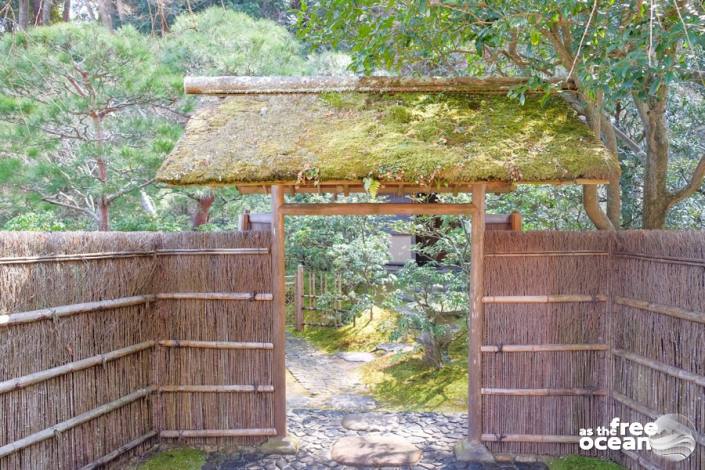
(476, 316)
(278, 311)
(299, 300)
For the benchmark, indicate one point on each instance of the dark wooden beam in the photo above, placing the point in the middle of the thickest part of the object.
(384, 208)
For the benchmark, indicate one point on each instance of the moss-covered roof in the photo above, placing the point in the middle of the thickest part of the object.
(415, 138)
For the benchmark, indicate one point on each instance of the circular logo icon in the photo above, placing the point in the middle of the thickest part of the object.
(673, 439)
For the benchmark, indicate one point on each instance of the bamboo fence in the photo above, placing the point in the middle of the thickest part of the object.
(114, 342)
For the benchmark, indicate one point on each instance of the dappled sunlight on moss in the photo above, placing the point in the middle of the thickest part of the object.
(175, 459)
(436, 138)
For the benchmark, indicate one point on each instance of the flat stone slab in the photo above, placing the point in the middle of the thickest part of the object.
(472, 451)
(375, 451)
(394, 347)
(371, 422)
(357, 356)
(352, 402)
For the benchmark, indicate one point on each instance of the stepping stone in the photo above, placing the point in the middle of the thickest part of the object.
(357, 356)
(370, 422)
(375, 451)
(394, 347)
(352, 402)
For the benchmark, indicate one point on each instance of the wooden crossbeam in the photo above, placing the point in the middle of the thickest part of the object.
(384, 208)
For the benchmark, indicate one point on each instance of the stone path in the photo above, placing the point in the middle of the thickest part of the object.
(324, 380)
(434, 434)
(322, 390)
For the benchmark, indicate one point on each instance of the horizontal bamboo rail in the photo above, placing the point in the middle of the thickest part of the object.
(535, 254)
(542, 299)
(646, 411)
(544, 392)
(214, 296)
(247, 432)
(216, 388)
(661, 367)
(543, 347)
(668, 310)
(73, 309)
(131, 254)
(99, 463)
(183, 343)
(385, 208)
(63, 426)
(662, 259)
(36, 377)
(538, 438)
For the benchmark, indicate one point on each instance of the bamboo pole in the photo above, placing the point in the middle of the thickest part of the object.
(663, 259)
(532, 254)
(249, 432)
(41, 376)
(476, 316)
(299, 299)
(674, 312)
(543, 299)
(131, 254)
(214, 296)
(543, 347)
(385, 208)
(183, 343)
(216, 388)
(537, 438)
(661, 367)
(73, 309)
(544, 392)
(278, 310)
(63, 426)
(119, 451)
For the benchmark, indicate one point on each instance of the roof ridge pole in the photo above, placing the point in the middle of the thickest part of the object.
(471, 449)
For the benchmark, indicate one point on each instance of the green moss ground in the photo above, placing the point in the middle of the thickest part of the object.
(403, 381)
(365, 335)
(576, 462)
(175, 459)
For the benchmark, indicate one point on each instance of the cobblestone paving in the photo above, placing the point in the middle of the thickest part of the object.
(433, 433)
(328, 388)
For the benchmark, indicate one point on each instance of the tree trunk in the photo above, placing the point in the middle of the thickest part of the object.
(23, 22)
(103, 214)
(66, 13)
(656, 195)
(46, 11)
(204, 203)
(105, 9)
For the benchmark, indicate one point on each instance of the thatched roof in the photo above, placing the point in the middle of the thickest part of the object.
(415, 135)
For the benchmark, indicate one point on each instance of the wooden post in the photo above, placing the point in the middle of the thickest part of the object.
(515, 221)
(476, 315)
(278, 311)
(244, 222)
(299, 301)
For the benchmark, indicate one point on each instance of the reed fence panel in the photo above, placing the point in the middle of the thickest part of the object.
(84, 378)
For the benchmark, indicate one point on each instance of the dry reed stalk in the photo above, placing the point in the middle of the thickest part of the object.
(30, 379)
(73, 422)
(119, 451)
